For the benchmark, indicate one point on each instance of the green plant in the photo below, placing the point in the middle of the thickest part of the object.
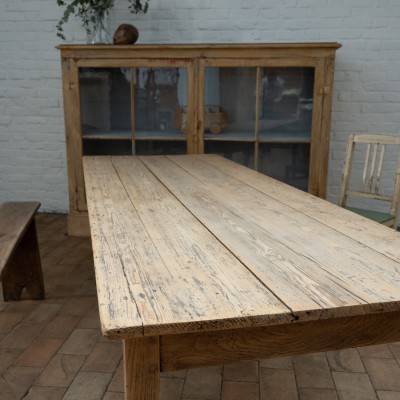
(84, 10)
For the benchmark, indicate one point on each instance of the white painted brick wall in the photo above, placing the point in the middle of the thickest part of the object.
(32, 146)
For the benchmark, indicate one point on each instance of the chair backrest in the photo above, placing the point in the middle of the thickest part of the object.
(376, 158)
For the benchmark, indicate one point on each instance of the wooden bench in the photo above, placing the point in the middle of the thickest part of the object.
(20, 264)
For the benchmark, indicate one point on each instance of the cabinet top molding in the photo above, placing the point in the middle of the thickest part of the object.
(313, 49)
(203, 45)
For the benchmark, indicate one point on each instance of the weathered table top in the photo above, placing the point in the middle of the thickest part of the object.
(198, 243)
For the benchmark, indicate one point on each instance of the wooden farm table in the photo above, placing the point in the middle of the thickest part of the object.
(200, 261)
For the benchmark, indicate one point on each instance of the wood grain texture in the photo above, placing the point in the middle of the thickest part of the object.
(158, 269)
(20, 264)
(368, 233)
(197, 243)
(142, 368)
(232, 346)
(155, 51)
(200, 261)
(314, 270)
(14, 221)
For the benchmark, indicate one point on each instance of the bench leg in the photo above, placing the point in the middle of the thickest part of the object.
(24, 269)
(142, 368)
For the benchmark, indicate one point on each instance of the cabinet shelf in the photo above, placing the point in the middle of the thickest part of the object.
(107, 135)
(234, 136)
(285, 137)
(270, 137)
(154, 135)
(266, 106)
(127, 135)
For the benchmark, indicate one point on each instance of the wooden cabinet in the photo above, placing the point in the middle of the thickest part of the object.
(267, 106)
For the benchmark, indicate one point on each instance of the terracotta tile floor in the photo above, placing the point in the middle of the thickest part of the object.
(53, 349)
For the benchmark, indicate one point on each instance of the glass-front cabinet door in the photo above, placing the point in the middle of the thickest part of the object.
(134, 109)
(260, 116)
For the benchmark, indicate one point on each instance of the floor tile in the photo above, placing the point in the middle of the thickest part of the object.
(279, 384)
(8, 320)
(20, 379)
(312, 371)
(5, 390)
(42, 314)
(7, 358)
(317, 394)
(171, 388)
(44, 393)
(23, 307)
(88, 386)
(243, 372)
(384, 373)
(203, 383)
(104, 357)
(39, 352)
(60, 326)
(378, 351)
(113, 396)
(21, 336)
(281, 362)
(175, 374)
(395, 349)
(117, 381)
(81, 341)
(61, 370)
(354, 382)
(78, 306)
(240, 390)
(91, 319)
(384, 395)
(353, 395)
(3, 305)
(348, 360)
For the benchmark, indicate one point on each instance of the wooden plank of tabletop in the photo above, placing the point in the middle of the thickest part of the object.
(371, 234)
(158, 270)
(300, 259)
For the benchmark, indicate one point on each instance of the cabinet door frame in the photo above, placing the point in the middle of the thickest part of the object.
(320, 126)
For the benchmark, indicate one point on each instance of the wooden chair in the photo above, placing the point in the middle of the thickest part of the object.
(370, 161)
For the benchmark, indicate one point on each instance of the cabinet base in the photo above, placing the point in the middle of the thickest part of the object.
(78, 224)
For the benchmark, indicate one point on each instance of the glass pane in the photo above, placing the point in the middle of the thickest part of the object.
(240, 152)
(229, 109)
(286, 103)
(287, 162)
(158, 147)
(105, 102)
(159, 95)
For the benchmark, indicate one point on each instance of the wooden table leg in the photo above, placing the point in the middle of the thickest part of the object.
(142, 368)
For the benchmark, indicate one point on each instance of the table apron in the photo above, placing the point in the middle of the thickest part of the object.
(183, 351)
